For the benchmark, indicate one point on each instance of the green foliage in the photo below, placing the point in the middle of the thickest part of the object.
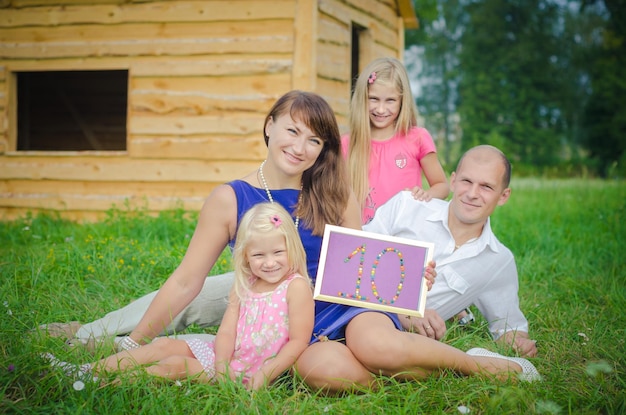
(605, 111)
(542, 79)
(568, 237)
(509, 83)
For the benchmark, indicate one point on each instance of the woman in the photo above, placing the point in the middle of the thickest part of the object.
(303, 171)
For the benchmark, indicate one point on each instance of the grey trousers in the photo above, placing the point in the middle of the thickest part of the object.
(207, 309)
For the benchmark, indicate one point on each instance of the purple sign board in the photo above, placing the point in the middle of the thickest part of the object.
(371, 270)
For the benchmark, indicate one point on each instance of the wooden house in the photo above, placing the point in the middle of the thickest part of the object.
(150, 104)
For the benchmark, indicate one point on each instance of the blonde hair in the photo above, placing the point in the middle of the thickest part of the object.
(389, 72)
(325, 186)
(257, 223)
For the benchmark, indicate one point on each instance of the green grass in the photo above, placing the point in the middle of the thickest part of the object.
(568, 237)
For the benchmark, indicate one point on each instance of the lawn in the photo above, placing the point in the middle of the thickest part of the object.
(567, 235)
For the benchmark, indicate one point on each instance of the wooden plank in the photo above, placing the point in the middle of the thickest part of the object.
(69, 64)
(30, 3)
(337, 93)
(108, 188)
(400, 40)
(305, 45)
(133, 32)
(362, 15)
(385, 12)
(149, 39)
(120, 168)
(333, 30)
(369, 15)
(196, 102)
(4, 85)
(233, 64)
(9, 115)
(407, 14)
(81, 195)
(164, 11)
(251, 147)
(226, 88)
(146, 47)
(333, 61)
(227, 124)
(366, 53)
(56, 201)
(379, 49)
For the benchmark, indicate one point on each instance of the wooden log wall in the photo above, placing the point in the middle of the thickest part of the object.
(202, 75)
(383, 36)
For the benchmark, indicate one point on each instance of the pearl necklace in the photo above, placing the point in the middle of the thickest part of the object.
(269, 195)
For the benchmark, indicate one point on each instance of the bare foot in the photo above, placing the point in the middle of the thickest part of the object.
(66, 330)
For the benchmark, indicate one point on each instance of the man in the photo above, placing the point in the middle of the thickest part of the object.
(473, 267)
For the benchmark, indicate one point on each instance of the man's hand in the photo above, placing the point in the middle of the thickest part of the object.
(431, 325)
(430, 274)
(521, 343)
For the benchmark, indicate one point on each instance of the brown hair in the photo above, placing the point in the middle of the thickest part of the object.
(325, 188)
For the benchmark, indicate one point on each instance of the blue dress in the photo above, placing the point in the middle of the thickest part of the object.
(330, 319)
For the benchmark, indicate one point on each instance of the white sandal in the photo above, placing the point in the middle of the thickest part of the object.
(529, 371)
(80, 372)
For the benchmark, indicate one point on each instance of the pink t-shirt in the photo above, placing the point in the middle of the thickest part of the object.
(394, 166)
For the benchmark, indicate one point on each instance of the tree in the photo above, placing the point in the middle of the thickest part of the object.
(542, 79)
(436, 64)
(510, 88)
(605, 112)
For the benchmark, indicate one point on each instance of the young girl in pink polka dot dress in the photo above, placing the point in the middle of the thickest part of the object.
(268, 322)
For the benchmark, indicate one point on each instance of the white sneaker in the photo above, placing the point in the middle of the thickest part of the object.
(529, 371)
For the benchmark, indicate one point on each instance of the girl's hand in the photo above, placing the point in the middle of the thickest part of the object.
(256, 382)
(430, 274)
(222, 371)
(420, 194)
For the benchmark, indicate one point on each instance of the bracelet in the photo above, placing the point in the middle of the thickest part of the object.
(129, 344)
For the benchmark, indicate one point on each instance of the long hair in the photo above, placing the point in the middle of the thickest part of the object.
(258, 223)
(325, 187)
(389, 72)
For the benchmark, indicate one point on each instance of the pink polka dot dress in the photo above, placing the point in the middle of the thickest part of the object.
(262, 330)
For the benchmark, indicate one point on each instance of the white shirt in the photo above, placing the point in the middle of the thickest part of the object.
(482, 272)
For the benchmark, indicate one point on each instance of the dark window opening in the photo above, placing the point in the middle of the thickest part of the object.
(355, 55)
(72, 110)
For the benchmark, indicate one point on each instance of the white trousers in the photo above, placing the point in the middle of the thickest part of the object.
(207, 309)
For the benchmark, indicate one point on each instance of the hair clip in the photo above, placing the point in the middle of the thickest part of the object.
(275, 220)
(371, 78)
